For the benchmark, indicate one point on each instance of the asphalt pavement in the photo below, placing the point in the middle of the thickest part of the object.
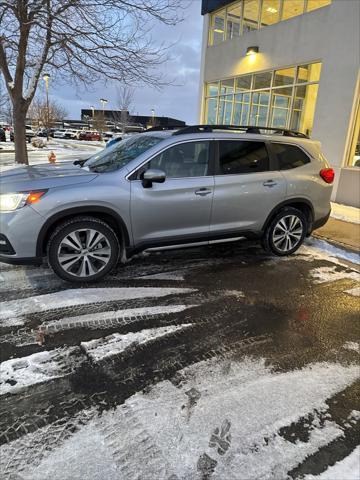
(209, 363)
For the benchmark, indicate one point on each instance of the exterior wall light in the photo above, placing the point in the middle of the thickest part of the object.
(252, 50)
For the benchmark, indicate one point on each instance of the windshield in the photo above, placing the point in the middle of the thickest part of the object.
(120, 154)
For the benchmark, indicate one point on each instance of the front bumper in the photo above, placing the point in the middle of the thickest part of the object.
(19, 231)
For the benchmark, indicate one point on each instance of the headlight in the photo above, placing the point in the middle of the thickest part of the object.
(12, 201)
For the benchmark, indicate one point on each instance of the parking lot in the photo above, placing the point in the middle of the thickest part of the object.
(215, 362)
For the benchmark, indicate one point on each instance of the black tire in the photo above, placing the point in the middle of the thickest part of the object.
(284, 214)
(83, 223)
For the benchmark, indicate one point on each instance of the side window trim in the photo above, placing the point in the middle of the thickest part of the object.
(217, 170)
(211, 169)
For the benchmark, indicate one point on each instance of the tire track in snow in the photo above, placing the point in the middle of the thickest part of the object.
(14, 310)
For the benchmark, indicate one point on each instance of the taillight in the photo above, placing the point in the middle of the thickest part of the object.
(327, 174)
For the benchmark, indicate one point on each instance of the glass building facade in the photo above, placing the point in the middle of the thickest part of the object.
(244, 16)
(284, 98)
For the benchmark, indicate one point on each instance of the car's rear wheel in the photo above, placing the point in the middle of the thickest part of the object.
(83, 249)
(286, 232)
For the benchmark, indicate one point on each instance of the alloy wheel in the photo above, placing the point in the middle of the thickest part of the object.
(84, 252)
(287, 233)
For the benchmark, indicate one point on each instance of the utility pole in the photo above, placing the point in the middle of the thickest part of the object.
(46, 77)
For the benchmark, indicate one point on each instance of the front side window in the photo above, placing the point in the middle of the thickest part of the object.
(190, 159)
(120, 154)
(290, 156)
(237, 157)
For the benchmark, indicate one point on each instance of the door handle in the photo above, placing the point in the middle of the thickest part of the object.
(203, 192)
(269, 183)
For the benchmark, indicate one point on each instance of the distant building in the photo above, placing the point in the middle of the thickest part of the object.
(305, 75)
(144, 120)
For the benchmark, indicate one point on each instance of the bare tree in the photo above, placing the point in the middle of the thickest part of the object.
(5, 105)
(39, 114)
(125, 97)
(80, 41)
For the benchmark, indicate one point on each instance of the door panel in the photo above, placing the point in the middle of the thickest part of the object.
(243, 202)
(246, 190)
(178, 208)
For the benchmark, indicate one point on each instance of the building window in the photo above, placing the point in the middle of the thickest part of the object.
(243, 16)
(284, 98)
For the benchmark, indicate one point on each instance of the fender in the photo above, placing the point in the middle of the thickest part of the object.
(289, 202)
(88, 210)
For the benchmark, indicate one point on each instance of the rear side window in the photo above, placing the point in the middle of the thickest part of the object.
(290, 156)
(237, 157)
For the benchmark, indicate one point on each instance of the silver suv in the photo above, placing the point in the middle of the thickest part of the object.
(197, 185)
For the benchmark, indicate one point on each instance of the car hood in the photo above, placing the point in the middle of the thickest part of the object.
(35, 177)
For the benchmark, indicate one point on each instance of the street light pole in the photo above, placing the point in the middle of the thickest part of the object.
(46, 77)
(153, 117)
(93, 114)
(103, 101)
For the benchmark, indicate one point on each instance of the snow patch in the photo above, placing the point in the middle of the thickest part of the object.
(223, 414)
(355, 292)
(162, 276)
(69, 298)
(105, 318)
(330, 274)
(346, 469)
(345, 213)
(18, 373)
(352, 346)
(116, 343)
(333, 251)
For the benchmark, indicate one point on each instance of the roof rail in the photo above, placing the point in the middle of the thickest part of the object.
(161, 128)
(244, 128)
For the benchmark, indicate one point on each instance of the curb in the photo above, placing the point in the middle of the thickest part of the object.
(337, 243)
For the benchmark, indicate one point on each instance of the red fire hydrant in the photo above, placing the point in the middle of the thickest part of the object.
(52, 157)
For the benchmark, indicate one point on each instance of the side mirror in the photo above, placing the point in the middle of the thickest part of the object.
(153, 175)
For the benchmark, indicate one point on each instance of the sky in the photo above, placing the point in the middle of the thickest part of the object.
(179, 100)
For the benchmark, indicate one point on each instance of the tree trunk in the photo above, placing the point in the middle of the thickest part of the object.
(21, 154)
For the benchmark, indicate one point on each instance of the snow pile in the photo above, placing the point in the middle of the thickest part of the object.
(117, 343)
(347, 469)
(345, 213)
(223, 418)
(40, 367)
(84, 296)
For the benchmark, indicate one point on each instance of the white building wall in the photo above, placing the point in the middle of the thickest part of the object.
(330, 35)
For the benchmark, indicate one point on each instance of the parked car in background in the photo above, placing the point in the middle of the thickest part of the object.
(195, 185)
(43, 132)
(70, 133)
(59, 133)
(29, 132)
(2, 135)
(92, 135)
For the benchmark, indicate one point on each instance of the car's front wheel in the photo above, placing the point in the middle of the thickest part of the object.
(83, 249)
(286, 232)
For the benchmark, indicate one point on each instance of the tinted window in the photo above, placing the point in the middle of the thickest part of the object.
(189, 159)
(242, 157)
(290, 156)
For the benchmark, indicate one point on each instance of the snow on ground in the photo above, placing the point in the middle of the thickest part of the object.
(162, 276)
(216, 419)
(331, 250)
(355, 292)
(347, 469)
(345, 212)
(18, 373)
(106, 318)
(331, 274)
(117, 343)
(352, 346)
(67, 298)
